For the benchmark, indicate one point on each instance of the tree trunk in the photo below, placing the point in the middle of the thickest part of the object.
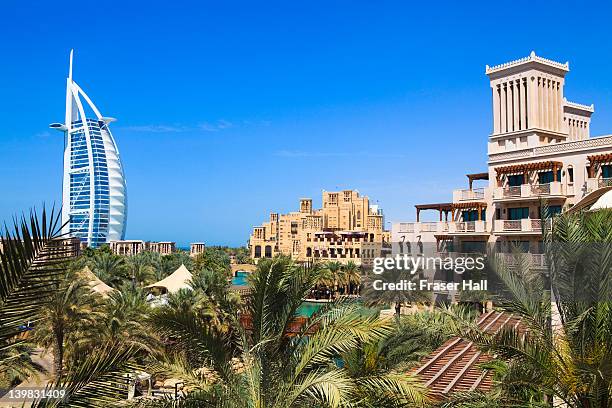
(58, 353)
(398, 309)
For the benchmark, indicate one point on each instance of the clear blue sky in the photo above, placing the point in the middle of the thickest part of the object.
(228, 110)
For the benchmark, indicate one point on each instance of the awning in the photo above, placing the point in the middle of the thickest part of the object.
(95, 283)
(521, 168)
(599, 158)
(179, 279)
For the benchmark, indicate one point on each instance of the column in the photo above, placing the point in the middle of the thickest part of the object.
(532, 101)
(523, 102)
(546, 102)
(496, 96)
(540, 102)
(504, 110)
(557, 107)
(515, 106)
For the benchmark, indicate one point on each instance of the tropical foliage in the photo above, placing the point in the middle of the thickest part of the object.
(257, 351)
(562, 353)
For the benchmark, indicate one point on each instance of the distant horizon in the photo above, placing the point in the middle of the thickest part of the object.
(227, 113)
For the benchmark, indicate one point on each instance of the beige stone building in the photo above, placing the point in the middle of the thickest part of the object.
(347, 228)
(197, 248)
(540, 154)
(133, 247)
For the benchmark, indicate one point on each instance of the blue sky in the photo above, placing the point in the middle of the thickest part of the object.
(229, 110)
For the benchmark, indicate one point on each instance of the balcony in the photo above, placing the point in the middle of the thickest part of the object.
(535, 260)
(468, 227)
(529, 191)
(419, 227)
(476, 194)
(524, 226)
(597, 183)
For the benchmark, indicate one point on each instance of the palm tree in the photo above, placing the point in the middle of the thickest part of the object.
(564, 351)
(32, 260)
(140, 269)
(123, 320)
(70, 309)
(329, 275)
(280, 370)
(377, 369)
(109, 268)
(395, 298)
(351, 277)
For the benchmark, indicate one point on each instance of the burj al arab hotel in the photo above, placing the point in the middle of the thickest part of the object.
(94, 198)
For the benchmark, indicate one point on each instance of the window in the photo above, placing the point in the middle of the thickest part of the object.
(268, 251)
(257, 251)
(551, 211)
(546, 177)
(606, 171)
(515, 180)
(472, 215)
(471, 247)
(520, 246)
(518, 213)
(570, 175)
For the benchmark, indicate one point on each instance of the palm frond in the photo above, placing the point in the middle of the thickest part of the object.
(31, 262)
(100, 379)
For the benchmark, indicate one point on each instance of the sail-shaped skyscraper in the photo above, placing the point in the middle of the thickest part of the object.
(94, 198)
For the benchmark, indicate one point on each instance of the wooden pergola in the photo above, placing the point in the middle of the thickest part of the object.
(525, 168)
(443, 208)
(476, 176)
(471, 205)
(440, 238)
(595, 159)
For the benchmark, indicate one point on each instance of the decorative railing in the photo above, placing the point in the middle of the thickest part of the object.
(552, 148)
(605, 182)
(535, 260)
(406, 227)
(474, 194)
(429, 227)
(512, 225)
(513, 191)
(466, 226)
(540, 188)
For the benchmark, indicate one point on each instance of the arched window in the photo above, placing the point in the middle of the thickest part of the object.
(268, 251)
(257, 251)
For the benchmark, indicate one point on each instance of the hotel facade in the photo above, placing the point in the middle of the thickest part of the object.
(347, 228)
(94, 199)
(542, 160)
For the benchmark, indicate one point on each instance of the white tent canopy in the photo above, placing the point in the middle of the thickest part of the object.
(178, 280)
(95, 283)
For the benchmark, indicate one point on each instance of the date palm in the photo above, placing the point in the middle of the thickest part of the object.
(33, 260)
(71, 309)
(351, 276)
(109, 268)
(122, 320)
(279, 370)
(140, 269)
